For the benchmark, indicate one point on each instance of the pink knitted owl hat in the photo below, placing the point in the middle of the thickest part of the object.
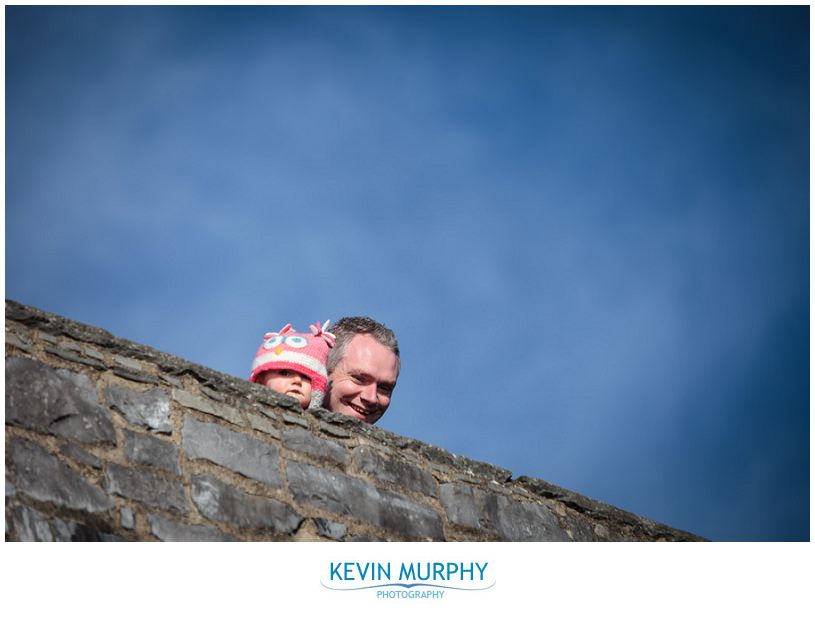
(297, 351)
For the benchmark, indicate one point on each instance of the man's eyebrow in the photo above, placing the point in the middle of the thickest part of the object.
(370, 377)
(362, 375)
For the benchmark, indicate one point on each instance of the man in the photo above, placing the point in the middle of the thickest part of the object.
(363, 367)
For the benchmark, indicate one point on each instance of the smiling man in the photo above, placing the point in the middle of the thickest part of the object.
(363, 367)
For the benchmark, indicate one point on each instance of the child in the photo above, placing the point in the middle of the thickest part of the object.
(293, 363)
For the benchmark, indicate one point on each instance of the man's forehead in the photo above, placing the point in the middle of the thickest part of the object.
(368, 344)
(364, 352)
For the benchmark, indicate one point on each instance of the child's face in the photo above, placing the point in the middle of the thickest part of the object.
(290, 383)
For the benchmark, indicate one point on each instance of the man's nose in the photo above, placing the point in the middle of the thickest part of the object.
(369, 396)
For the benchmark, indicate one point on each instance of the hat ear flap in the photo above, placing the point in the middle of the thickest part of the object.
(316, 399)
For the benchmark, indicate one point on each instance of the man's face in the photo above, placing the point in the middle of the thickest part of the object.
(361, 384)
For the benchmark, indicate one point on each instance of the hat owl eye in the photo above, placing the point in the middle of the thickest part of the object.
(296, 341)
(272, 342)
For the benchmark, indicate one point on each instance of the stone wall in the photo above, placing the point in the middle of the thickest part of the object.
(110, 440)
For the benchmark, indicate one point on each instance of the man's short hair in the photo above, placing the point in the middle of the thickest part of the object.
(347, 328)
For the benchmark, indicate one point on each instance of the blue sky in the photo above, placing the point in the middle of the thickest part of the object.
(589, 227)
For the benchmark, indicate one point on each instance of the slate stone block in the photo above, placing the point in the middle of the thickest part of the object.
(459, 502)
(303, 441)
(243, 454)
(171, 531)
(394, 471)
(330, 529)
(146, 487)
(341, 494)
(259, 423)
(134, 365)
(209, 407)
(334, 431)
(63, 531)
(220, 502)
(604, 534)
(581, 529)
(71, 531)
(20, 342)
(520, 521)
(93, 353)
(78, 454)
(146, 450)
(134, 376)
(127, 518)
(72, 357)
(30, 525)
(55, 401)
(69, 345)
(213, 394)
(512, 520)
(46, 478)
(290, 419)
(173, 381)
(150, 409)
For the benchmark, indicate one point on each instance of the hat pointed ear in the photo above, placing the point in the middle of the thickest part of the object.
(320, 331)
(283, 330)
